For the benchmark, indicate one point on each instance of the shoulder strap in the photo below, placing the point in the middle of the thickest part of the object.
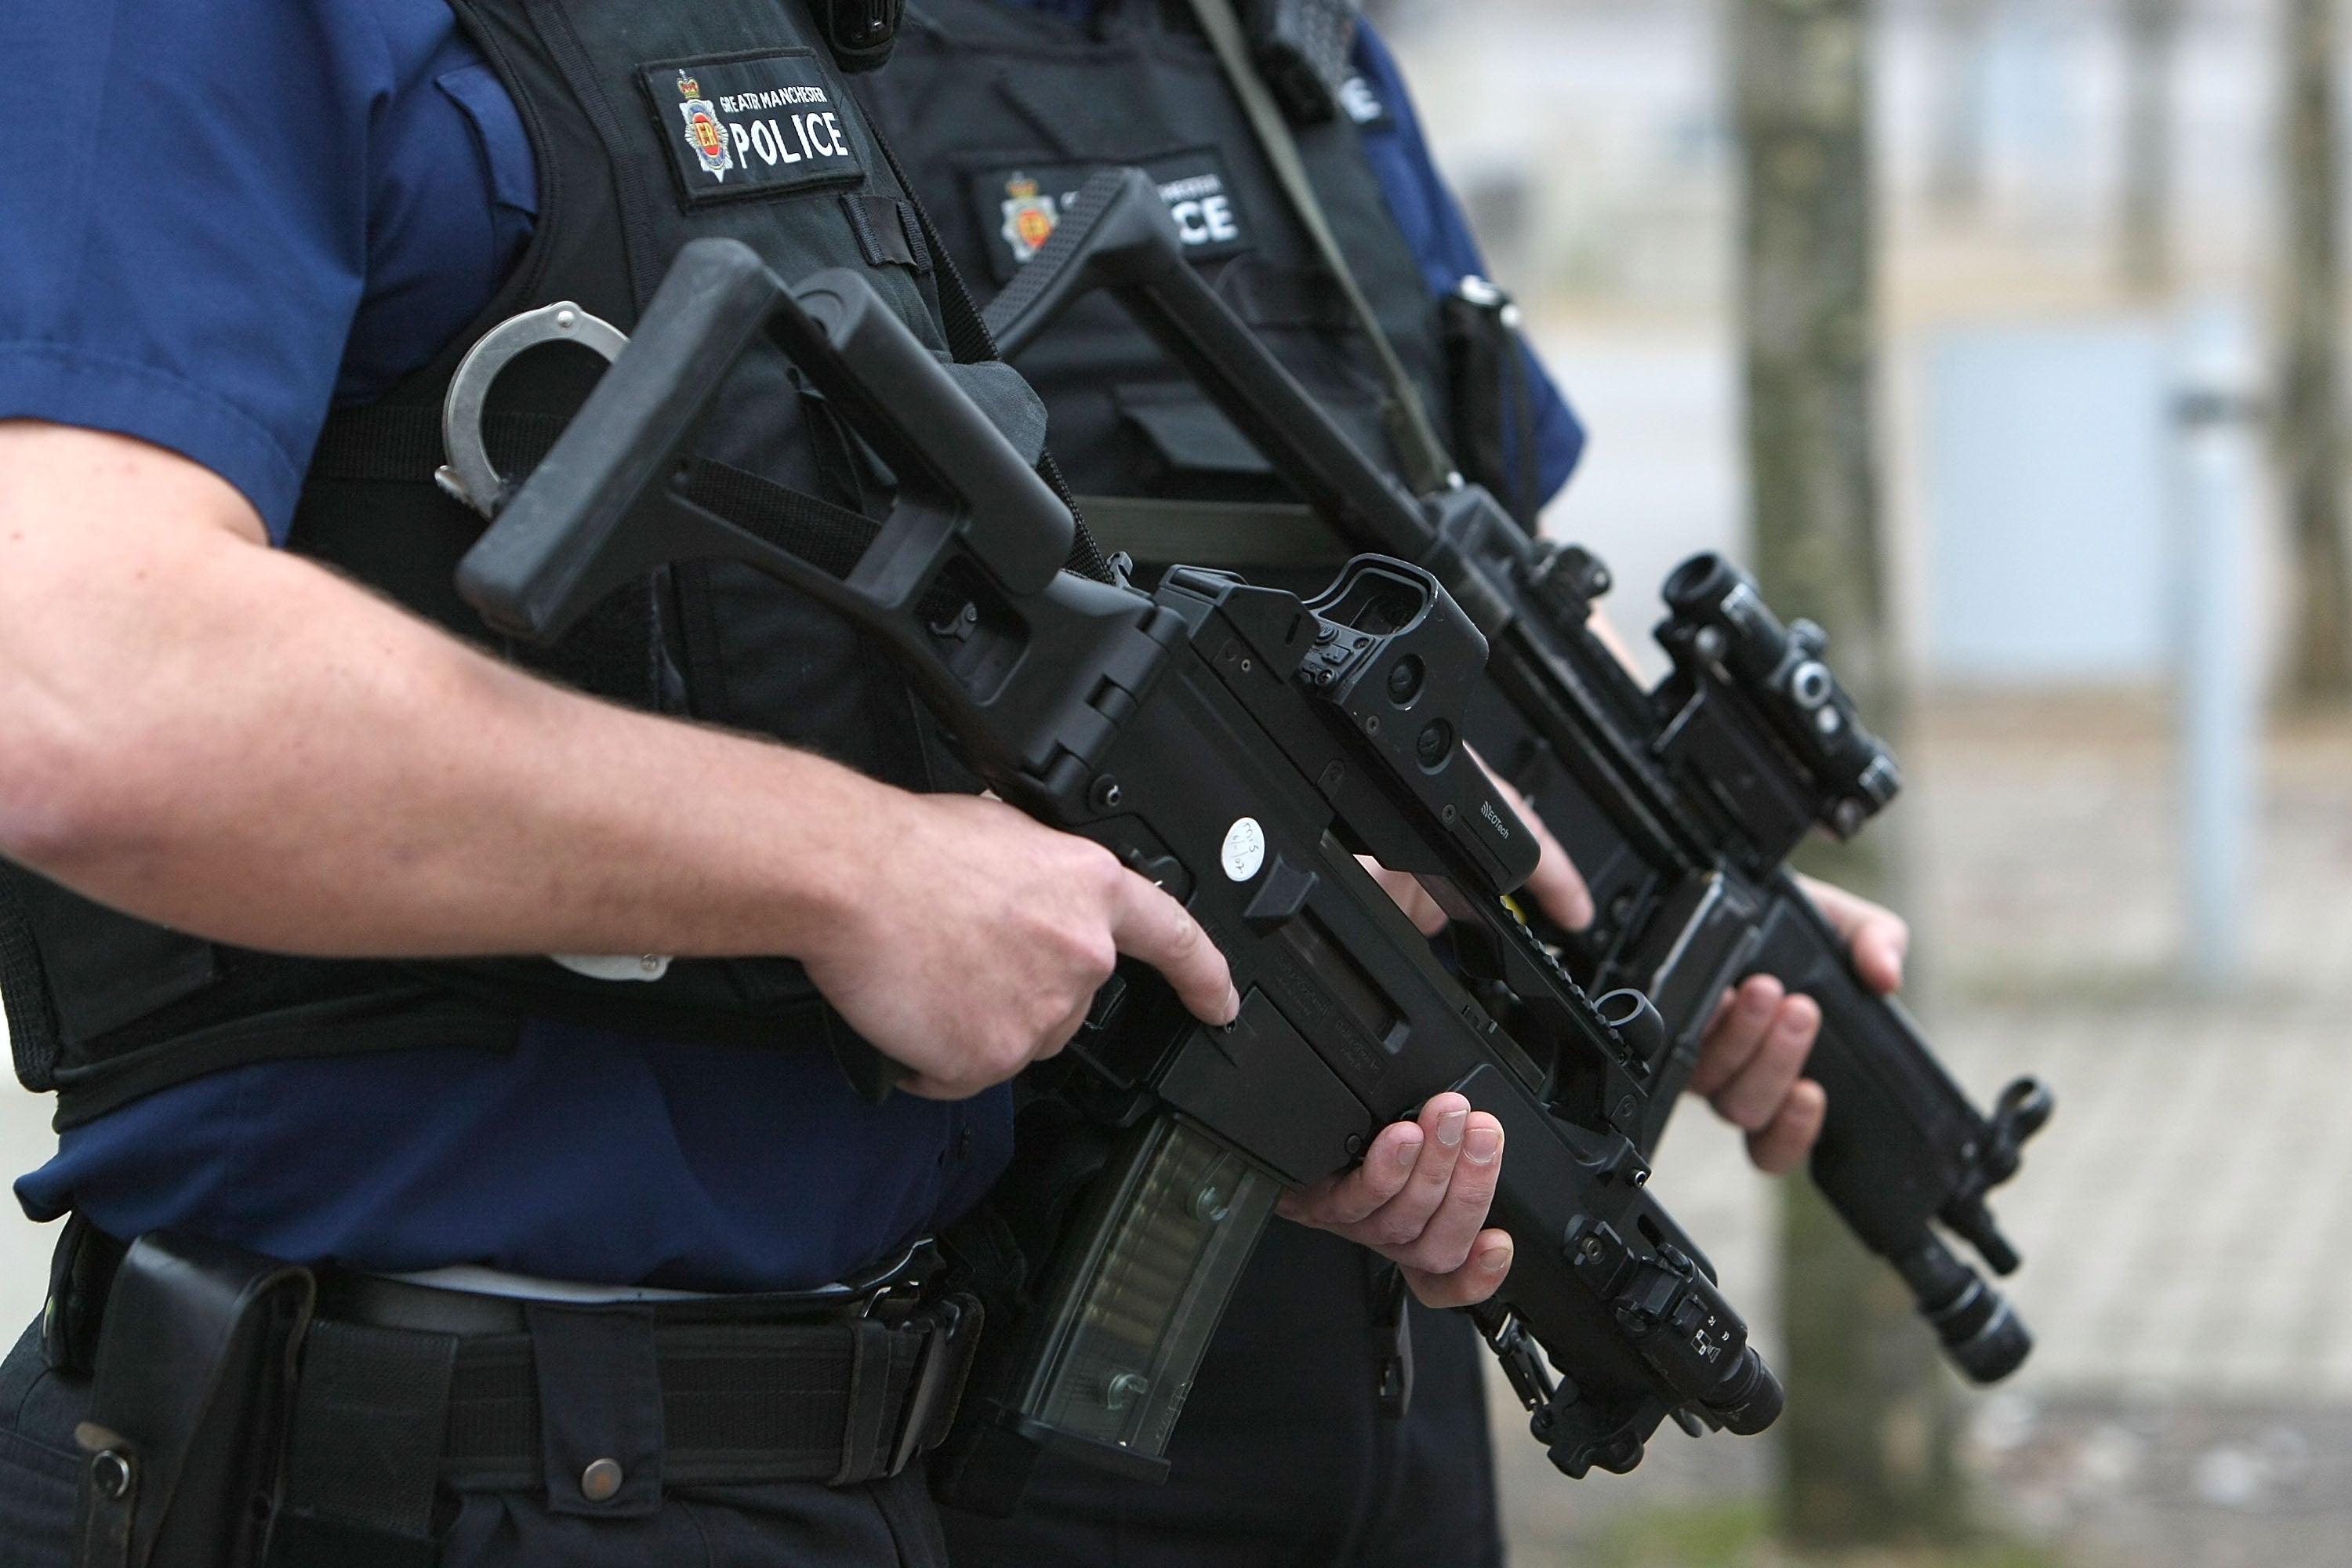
(1427, 466)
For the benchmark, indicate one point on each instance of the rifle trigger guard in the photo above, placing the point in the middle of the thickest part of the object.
(468, 478)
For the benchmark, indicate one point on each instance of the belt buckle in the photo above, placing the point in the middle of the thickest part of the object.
(903, 1279)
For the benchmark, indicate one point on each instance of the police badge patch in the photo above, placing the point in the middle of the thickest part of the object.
(752, 126)
(702, 131)
(1029, 217)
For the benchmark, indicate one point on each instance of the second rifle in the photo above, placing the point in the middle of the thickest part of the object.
(1679, 806)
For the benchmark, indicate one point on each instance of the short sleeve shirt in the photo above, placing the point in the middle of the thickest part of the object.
(217, 221)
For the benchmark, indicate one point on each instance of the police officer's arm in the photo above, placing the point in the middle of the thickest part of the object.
(225, 737)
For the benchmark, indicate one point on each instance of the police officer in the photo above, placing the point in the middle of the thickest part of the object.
(597, 1270)
(999, 110)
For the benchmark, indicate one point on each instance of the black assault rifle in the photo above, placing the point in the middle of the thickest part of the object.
(1239, 746)
(1678, 806)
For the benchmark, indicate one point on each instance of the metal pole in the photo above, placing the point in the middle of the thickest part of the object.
(2219, 676)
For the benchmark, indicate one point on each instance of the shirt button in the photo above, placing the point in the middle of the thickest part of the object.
(600, 1480)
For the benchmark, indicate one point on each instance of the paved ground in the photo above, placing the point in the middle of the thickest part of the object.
(2187, 1216)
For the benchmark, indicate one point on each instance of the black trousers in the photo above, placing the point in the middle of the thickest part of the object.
(883, 1524)
(1282, 1459)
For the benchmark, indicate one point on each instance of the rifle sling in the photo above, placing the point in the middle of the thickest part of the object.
(1428, 468)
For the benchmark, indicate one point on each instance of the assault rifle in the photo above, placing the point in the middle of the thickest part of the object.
(1678, 806)
(1239, 746)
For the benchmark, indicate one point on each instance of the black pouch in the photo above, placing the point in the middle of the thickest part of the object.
(190, 1405)
(1493, 406)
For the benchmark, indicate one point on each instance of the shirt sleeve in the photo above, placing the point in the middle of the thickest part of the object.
(183, 188)
(1431, 218)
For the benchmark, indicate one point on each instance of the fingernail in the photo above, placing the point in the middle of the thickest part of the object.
(1449, 1127)
(1495, 1259)
(1407, 1151)
(1233, 1004)
(1483, 1146)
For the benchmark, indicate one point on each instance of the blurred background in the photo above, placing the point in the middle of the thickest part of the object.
(2002, 336)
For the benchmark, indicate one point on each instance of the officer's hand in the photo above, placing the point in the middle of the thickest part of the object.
(1419, 1200)
(982, 935)
(1756, 1045)
(1557, 887)
(1877, 937)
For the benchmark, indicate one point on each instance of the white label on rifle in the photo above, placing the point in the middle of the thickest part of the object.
(1244, 849)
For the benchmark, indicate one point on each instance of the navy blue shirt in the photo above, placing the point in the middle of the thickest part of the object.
(217, 221)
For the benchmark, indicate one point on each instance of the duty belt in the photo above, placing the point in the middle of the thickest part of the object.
(832, 1386)
(405, 1389)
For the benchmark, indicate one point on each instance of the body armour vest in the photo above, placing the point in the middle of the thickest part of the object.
(999, 115)
(652, 125)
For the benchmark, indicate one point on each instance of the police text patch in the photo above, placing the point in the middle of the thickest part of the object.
(1019, 204)
(751, 127)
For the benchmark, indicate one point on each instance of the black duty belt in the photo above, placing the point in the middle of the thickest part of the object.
(406, 1390)
(838, 1387)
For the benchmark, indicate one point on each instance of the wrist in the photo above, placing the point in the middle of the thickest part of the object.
(838, 861)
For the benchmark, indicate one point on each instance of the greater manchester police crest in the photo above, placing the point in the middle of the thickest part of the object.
(1029, 217)
(703, 131)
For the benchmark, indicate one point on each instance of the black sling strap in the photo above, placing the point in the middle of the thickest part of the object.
(382, 442)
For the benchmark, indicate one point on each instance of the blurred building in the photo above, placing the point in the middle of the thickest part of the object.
(1590, 142)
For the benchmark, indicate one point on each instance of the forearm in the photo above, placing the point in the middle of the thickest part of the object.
(243, 746)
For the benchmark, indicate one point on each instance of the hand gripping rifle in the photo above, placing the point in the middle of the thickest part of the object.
(1238, 746)
(1679, 805)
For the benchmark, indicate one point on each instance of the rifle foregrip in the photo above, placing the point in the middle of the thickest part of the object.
(1902, 1146)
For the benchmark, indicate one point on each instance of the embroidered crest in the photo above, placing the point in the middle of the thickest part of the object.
(703, 131)
(1029, 217)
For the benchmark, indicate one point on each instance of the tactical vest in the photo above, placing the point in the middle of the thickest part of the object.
(999, 113)
(652, 125)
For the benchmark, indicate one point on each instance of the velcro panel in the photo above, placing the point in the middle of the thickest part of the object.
(369, 1421)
